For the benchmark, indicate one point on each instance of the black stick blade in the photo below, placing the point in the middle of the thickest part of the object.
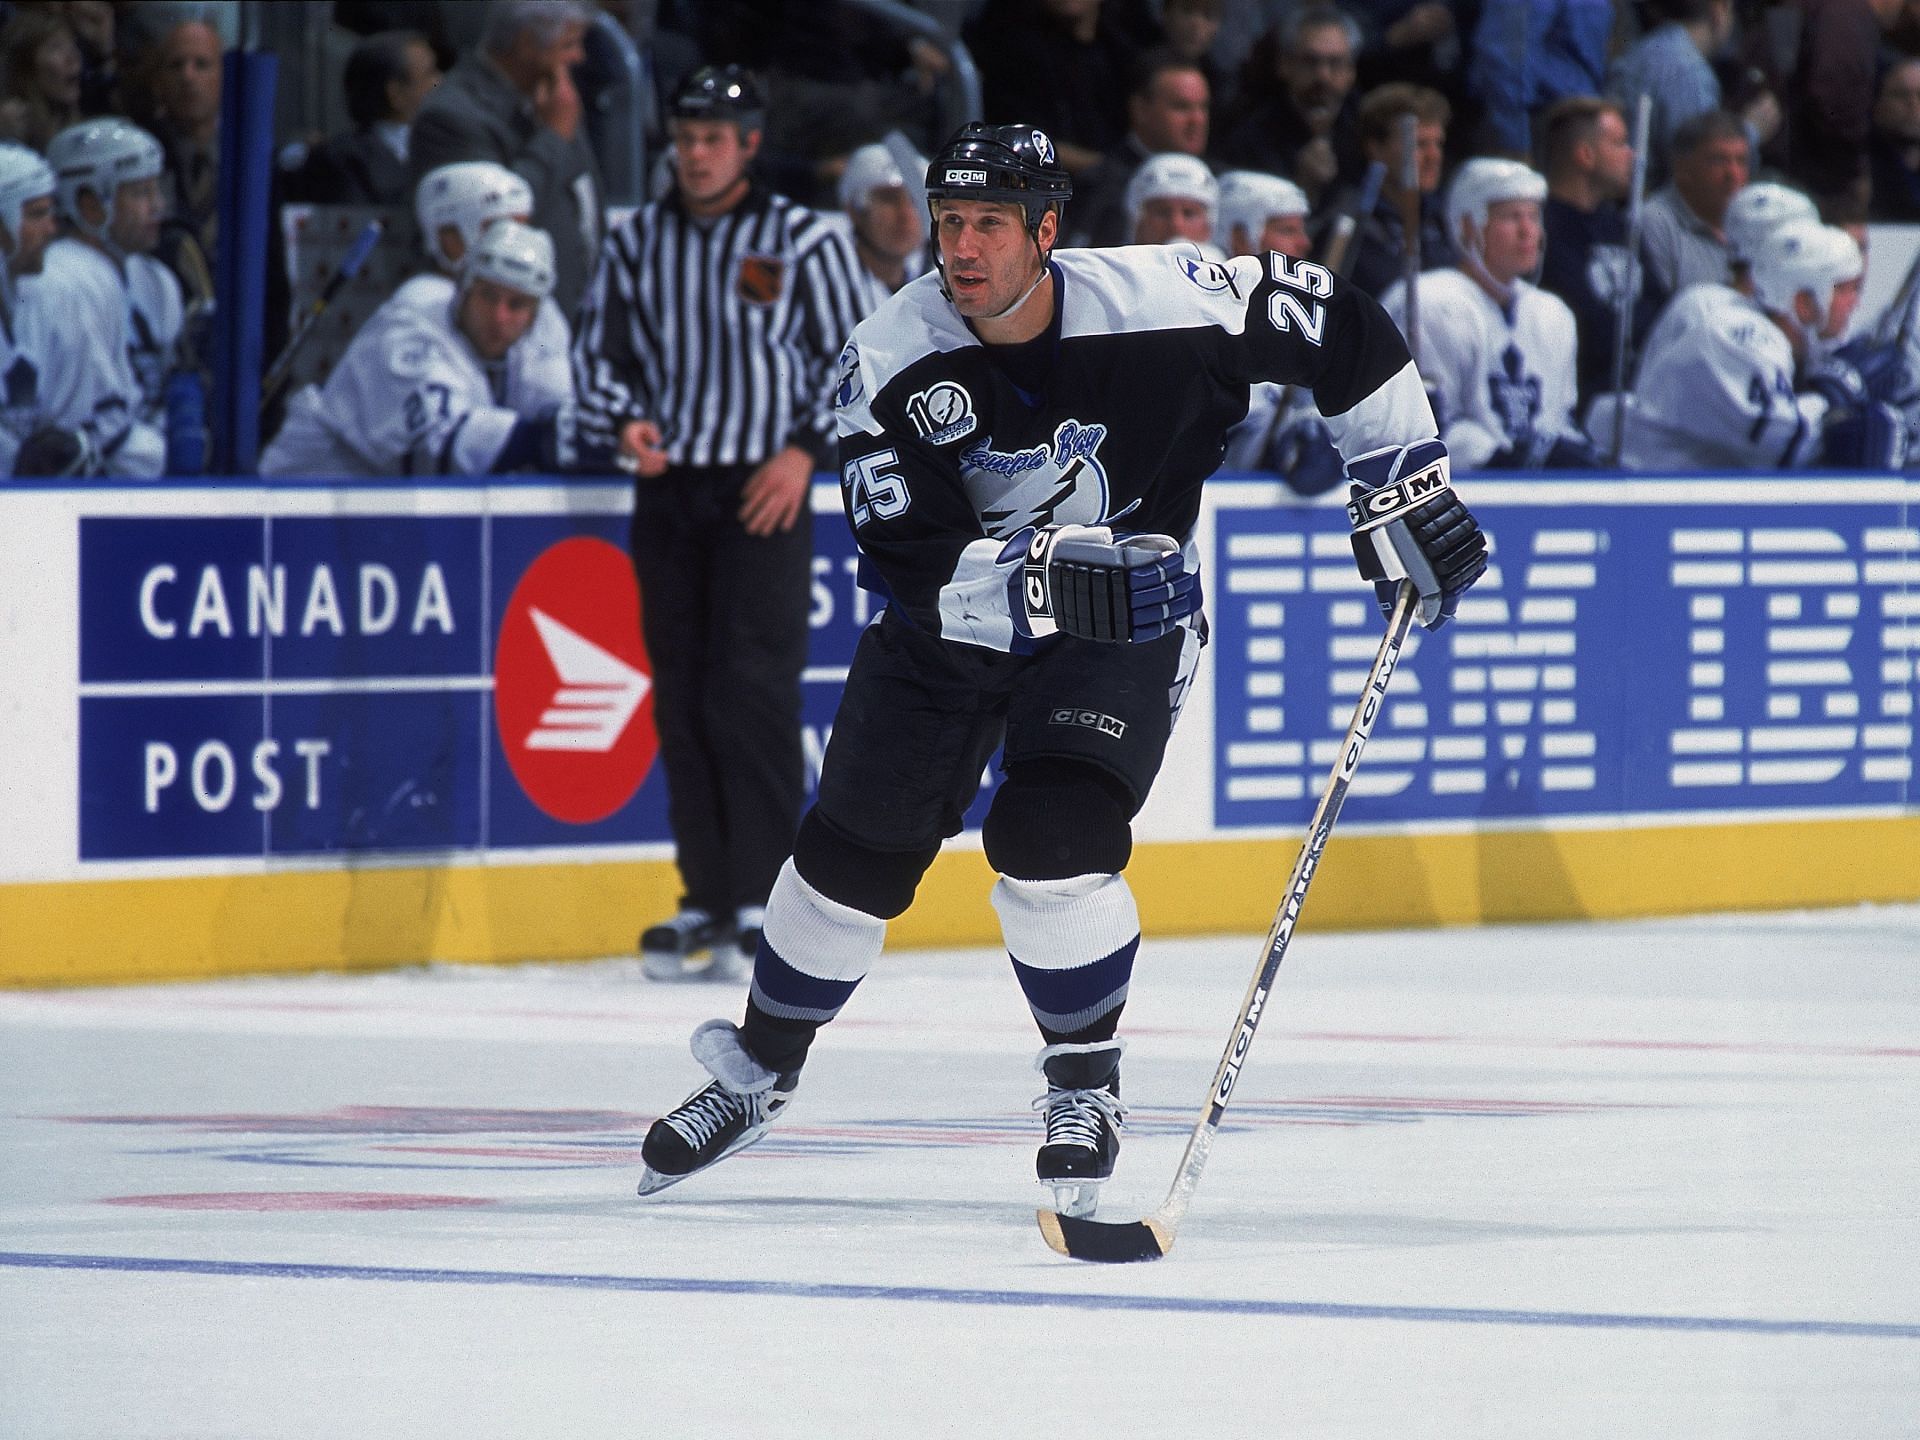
(1095, 1240)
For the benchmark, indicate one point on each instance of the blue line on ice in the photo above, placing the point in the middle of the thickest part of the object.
(936, 1295)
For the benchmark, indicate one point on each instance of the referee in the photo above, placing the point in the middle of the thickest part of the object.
(705, 358)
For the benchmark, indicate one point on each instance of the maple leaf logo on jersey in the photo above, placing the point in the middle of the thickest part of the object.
(597, 696)
(1053, 484)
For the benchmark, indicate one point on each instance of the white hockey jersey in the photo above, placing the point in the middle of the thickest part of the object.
(1506, 377)
(81, 311)
(410, 397)
(540, 367)
(1715, 391)
(19, 386)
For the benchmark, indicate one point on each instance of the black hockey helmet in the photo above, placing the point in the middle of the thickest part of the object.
(721, 92)
(1014, 163)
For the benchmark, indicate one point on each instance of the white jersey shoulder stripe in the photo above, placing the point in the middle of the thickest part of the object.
(1127, 289)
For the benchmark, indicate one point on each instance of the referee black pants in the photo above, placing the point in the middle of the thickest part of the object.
(724, 614)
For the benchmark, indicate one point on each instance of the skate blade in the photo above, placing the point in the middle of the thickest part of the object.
(672, 969)
(1076, 1199)
(652, 1182)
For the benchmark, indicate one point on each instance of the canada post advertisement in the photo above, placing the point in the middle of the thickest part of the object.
(214, 675)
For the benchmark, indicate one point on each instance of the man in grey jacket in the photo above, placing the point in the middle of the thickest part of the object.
(514, 102)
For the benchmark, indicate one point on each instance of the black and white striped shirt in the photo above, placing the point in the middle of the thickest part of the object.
(724, 333)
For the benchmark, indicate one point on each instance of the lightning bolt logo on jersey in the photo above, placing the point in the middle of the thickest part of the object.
(1061, 483)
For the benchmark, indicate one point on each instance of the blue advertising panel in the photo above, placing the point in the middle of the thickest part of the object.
(1617, 659)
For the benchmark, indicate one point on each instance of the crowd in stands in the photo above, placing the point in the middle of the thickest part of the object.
(1469, 162)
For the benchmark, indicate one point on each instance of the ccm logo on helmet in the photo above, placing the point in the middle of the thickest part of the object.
(966, 177)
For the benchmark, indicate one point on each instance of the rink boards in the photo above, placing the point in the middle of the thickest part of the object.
(347, 726)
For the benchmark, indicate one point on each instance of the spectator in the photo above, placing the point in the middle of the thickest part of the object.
(887, 227)
(94, 27)
(1527, 54)
(1832, 95)
(186, 92)
(1173, 197)
(1059, 64)
(1682, 240)
(514, 102)
(110, 314)
(1167, 109)
(706, 360)
(1589, 172)
(1295, 115)
(1497, 352)
(42, 62)
(1722, 387)
(454, 206)
(27, 226)
(1669, 63)
(388, 78)
(1894, 153)
(1191, 27)
(441, 391)
(1380, 252)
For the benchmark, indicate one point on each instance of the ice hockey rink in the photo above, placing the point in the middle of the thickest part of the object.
(1655, 1178)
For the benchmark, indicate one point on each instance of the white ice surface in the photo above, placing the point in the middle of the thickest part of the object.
(1650, 1179)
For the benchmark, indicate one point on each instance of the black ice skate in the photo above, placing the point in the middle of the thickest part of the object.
(673, 949)
(729, 1114)
(1084, 1115)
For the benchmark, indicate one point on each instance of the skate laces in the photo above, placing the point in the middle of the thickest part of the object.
(1074, 1116)
(702, 1117)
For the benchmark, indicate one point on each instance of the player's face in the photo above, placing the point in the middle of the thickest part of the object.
(1172, 115)
(494, 318)
(710, 158)
(1846, 299)
(990, 258)
(891, 223)
(1612, 155)
(1510, 247)
(138, 208)
(1167, 218)
(38, 226)
(1287, 235)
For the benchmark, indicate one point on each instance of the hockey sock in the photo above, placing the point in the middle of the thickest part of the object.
(1072, 943)
(813, 953)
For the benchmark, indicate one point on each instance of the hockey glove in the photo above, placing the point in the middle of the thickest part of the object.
(53, 453)
(1865, 437)
(1878, 371)
(1409, 525)
(1097, 584)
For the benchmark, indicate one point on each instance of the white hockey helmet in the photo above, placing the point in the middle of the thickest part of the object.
(1757, 211)
(1804, 256)
(100, 155)
(1250, 198)
(1482, 183)
(1173, 176)
(24, 176)
(514, 255)
(468, 195)
(870, 168)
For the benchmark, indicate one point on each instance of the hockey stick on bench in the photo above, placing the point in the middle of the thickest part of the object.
(1149, 1239)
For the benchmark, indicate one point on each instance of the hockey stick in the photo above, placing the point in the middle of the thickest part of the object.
(1149, 1239)
(1629, 298)
(349, 267)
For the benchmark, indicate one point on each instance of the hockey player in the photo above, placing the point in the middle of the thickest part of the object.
(1734, 382)
(884, 227)
(1284, 431)
(113, 312)
(1498, 351)
(453, 206)
(447, 393)
(1000, 421)
(28, 445)
(1173, 197)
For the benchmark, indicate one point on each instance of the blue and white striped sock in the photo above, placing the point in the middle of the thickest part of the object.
(1072, 944)
(813, 953)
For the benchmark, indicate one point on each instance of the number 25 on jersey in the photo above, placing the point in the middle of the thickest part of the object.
(874, 491)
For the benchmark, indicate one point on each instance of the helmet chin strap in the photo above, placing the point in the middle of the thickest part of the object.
(1025, 295)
